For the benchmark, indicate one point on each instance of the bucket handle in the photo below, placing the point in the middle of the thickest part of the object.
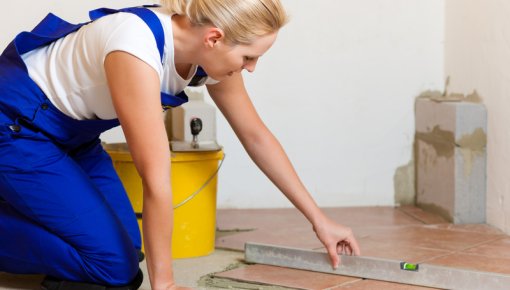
(203, 185)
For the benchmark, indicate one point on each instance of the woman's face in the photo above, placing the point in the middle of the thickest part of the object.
(224, 60)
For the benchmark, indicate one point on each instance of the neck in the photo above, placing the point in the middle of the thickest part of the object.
(186, 40)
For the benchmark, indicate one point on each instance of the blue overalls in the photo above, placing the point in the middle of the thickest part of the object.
(63, 209)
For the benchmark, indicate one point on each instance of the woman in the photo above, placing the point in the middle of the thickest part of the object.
(61, 203)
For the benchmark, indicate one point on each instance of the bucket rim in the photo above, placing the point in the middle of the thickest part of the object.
(120, 152)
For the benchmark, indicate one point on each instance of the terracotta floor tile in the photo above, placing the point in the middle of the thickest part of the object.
(427, 237)
(366, 231)
(498, 249)
(370, 216)
(350, 216)
(286, 277)
(421, 215)
(227, 219)
(474, 262)
(299, 237)
(477, 228)
(371, 248)
(380, 285)
(403, 234)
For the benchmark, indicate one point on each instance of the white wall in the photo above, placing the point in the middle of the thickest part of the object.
(477, 58)
(16, 16)
(337, 89)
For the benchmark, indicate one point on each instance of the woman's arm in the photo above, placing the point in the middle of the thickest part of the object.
(233, 101)
(135, 90)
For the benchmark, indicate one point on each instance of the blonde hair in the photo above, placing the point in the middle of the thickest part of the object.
(241, 20)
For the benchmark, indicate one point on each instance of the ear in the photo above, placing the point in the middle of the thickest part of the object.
(212, 36)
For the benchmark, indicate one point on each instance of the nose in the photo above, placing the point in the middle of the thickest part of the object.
(250, 65)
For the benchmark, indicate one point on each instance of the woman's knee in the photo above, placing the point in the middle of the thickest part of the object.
(113, 267)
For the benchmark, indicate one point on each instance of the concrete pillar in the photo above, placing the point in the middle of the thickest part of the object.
(450, 155)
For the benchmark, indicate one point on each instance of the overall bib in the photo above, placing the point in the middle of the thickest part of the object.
(63, 209)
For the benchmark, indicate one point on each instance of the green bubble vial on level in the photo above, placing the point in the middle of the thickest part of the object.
(409, 266)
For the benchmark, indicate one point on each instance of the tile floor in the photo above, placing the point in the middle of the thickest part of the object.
(405, 233)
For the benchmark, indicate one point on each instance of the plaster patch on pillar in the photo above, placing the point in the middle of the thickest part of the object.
(438, 96)
(474, 97)
(442, 141)
(476, 141)
(423, 158)
(429, 148)
(472, 146)
(403, 180)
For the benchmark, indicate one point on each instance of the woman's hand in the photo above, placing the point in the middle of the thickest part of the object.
(337, 239)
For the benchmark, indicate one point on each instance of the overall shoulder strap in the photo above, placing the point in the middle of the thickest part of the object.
(152, 20)
(149, 17)
(48, 30)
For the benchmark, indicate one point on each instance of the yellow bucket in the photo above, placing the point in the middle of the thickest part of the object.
(194, 181)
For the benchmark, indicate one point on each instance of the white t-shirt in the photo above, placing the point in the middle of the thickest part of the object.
(70, 71)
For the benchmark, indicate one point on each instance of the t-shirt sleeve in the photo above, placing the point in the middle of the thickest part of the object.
(129, 33)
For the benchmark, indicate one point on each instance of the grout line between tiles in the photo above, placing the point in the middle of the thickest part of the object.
(481, 243)
(462, 251)
(345, 284)
(436, 257)
(459, 229)
(410, 215)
